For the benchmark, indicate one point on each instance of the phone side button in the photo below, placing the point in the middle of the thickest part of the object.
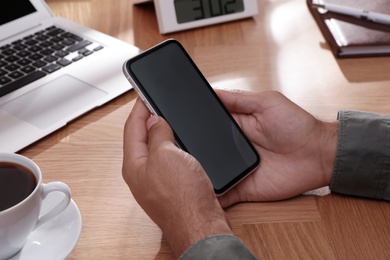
(141, 96)
(150, 108)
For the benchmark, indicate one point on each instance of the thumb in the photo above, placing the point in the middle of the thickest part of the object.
(159, 131)
(245, 102)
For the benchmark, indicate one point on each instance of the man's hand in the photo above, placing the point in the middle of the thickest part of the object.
(169, 184)
(297, 151)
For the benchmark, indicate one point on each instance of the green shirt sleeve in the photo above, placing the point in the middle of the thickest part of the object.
(362, 165)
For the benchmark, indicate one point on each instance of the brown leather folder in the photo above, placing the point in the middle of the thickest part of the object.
(353, 37)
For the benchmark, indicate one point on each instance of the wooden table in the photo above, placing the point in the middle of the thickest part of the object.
(280, 49)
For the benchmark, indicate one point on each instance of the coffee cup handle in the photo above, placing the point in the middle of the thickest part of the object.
(62, 205)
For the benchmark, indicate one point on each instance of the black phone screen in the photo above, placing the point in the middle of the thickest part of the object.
(177, 91)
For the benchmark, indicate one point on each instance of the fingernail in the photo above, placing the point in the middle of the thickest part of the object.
(152, 121)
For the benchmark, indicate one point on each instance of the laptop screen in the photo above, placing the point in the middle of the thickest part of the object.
(15, 10)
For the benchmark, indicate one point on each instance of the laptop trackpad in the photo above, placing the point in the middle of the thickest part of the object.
(53, 102)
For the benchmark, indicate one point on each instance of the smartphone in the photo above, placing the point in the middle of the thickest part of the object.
(173, 87)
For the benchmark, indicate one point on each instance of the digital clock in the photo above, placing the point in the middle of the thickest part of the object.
(177, 15)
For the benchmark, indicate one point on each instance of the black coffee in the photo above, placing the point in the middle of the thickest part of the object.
(16, 183)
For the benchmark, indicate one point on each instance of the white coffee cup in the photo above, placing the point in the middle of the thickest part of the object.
(18, 221)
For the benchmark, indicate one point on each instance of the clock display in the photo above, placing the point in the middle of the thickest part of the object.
(192, 10)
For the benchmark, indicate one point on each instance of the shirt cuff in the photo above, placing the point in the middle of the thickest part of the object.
(217, 247)
(362, 165)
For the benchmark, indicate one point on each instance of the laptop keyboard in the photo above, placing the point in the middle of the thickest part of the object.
(40, 54)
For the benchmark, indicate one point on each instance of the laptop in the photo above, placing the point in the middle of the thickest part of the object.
(52, 71)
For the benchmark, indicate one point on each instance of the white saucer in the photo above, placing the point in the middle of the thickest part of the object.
(56, 238)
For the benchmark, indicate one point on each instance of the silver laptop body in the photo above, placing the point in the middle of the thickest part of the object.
(90, 76)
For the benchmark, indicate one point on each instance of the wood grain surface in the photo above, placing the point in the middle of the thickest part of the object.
(280, 49)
